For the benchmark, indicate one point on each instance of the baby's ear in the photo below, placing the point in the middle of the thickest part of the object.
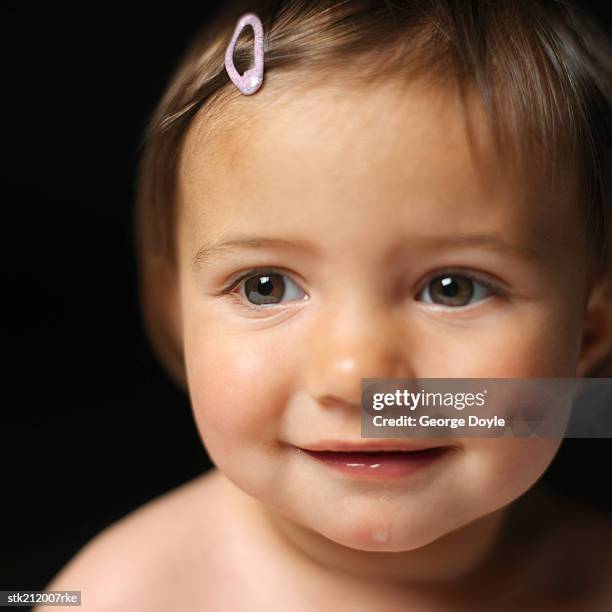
(596, 353)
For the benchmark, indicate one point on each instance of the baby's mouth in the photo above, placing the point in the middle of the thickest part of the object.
(377, 462)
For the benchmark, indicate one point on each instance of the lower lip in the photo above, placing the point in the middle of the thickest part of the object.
(380, 464)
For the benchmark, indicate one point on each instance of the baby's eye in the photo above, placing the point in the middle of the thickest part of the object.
(455, 290)
(270, 288)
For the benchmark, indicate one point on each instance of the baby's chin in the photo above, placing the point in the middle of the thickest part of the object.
(369, 520)
(366, 516)
(384, 528)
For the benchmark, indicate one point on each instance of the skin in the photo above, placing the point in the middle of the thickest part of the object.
(365, 203)
(364, 194)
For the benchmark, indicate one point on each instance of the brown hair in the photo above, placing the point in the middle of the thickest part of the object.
(543, 70)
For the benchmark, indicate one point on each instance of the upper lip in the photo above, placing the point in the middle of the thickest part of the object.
(369, 446)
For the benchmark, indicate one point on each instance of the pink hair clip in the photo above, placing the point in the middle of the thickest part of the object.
(249, 82)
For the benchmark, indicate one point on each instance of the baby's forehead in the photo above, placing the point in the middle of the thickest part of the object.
(332, 122)
(392, 143)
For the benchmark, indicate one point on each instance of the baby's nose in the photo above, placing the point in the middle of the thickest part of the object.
(349, 346)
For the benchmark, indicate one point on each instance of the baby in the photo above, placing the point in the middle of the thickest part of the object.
(416, 189)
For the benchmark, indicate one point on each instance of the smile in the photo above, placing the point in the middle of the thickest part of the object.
(379, 463)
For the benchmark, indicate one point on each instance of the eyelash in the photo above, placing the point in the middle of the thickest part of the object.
(491, 287)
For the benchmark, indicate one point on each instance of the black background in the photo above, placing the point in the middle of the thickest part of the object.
(90, 426)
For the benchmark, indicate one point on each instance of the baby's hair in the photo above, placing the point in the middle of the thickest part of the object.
(542, 69)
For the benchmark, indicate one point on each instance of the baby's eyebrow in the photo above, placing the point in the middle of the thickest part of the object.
(493, 242)
(210, 251)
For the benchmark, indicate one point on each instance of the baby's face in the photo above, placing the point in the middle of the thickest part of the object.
(311, 235)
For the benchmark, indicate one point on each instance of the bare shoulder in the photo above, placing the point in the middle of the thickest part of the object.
(586, 539)
(584, 529)
(573, 552)
(149, 556)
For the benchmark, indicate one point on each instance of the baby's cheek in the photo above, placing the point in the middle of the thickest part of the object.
(238, 385)
(535, 343)
(503, 469)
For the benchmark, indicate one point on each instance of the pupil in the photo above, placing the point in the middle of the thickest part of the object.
(451, 288)
(265, 285)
